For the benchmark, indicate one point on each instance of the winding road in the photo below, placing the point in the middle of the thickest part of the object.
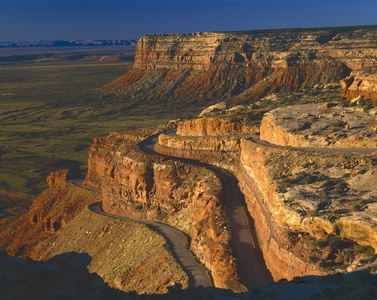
(251, 264)
(252, 267)
(177, 241)
(255, 139)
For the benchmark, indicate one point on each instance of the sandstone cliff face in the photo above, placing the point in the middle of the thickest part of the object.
(57, 177)
(283, 259)
(207, 143)
(297, 193)
(361, 83)
(214, 127)
(336, 200)
(145, 186)
(279, 48)
(242, 65)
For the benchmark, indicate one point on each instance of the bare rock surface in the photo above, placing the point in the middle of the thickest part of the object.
(212, 126)
(57, 177)
(135, 184)
(320, 126)
(216, 66)
(51, 210)
(361, 83)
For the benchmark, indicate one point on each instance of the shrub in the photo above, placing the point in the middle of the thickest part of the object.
(313, 259)
(357, 207)
(333, 242)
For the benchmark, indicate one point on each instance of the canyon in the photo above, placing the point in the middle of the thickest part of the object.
(263, 189)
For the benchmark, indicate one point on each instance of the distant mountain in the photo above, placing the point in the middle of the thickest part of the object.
(71, 43)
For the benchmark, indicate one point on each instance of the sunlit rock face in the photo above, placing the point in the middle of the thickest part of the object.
(361, 83)
(245, 65)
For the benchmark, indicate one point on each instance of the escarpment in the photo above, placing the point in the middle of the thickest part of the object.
(214, 127)
(242, 65)
(189, 197)
(277, 249)
(297, 197)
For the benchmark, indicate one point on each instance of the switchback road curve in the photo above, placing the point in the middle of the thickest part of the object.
(177, 241)
(251, 264)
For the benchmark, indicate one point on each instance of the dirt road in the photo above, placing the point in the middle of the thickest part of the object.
(251, 263)
(177, 241)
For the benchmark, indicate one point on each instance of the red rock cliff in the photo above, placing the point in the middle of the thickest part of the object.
(211, 66)
(361, 83)
(186, 196)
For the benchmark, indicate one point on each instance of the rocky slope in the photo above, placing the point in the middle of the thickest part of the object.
(59, 221)
(13, 205)
(203, 67)
(117, 257)
(53, 209)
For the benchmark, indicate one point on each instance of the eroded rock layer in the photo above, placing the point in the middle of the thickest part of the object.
(361, 83)
(298, 196)
(187, 196)
(214, 127)
(245, 65)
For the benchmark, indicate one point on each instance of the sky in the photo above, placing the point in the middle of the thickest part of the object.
(131, 19)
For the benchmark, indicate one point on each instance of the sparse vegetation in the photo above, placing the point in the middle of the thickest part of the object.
(366, 104)
(301, 178)
(333, 253)
(125, 260)
(48, 122)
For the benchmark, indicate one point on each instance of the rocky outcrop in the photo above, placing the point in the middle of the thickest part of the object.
(57, 177)
(214, 127)
(181, 68)
(320, 126)
(205, 143)
(283, 258)
(361, 83)
(190, 197)
(275, 245)
(51, 210)
(296, 194)
(336, 200)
